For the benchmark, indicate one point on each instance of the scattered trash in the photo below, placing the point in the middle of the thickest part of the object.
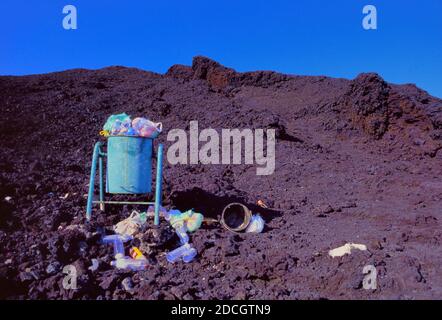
(256, 224)
(210, 221)
(121, 261)
(182, 234)
(190, 219)
(117, 240)
(8, 261)
(127, 284)
(131, 225)
(236, 217)
(153, 239)
(95, 265)
(262, 204)
(185, 252)
(136, 253)
(126, 229)
(173, 213)
(189, 255)
(65, 196)
(7, 199)
(122, 125)
(346, 249)
(129, 263)
(183, 222)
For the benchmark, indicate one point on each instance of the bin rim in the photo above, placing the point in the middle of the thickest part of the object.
(123, 136)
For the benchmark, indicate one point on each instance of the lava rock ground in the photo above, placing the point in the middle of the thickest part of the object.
(356, 161)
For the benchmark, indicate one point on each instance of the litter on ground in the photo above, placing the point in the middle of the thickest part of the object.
(190, 219)
(236, 217)
(95, 264)
(256, 224)
(346, 249)
(131, 225)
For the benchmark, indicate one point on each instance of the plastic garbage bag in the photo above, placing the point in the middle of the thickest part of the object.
(191, 220)
(146, 128)
(256, 224)
(122, 125)
(122, 128)
(131, 225)
(113, 118)
(194, 222)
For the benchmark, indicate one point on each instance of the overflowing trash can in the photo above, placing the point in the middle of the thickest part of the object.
(129, 157)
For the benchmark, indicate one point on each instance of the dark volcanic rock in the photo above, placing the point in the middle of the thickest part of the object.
(181, 72)
(356, 161)
(216, 75)
(367, 101)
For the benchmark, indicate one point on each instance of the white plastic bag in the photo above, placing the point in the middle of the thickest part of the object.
(130, 225)
(146, 128)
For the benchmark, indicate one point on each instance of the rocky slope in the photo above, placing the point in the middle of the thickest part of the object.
(356, 161)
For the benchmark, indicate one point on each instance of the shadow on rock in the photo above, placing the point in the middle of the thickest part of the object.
(211, 205)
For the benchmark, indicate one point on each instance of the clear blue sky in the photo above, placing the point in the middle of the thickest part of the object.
(308, 37)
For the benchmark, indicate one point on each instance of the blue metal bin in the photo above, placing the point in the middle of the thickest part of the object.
(129, 165)
(128, 171)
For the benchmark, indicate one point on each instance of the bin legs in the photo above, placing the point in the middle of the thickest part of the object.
(92, 180)
(158, 184)
(100, 163)
(98, 157)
